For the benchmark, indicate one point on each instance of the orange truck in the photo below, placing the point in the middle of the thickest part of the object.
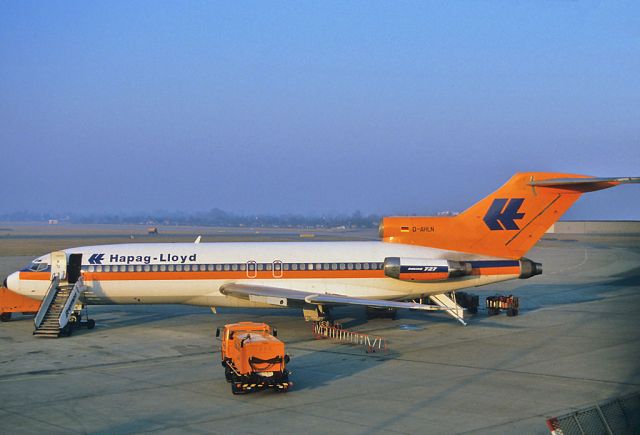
(253, 358)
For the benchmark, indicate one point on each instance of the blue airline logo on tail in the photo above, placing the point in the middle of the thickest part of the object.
(503, 213)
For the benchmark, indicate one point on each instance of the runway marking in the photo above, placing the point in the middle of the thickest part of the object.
(576, 266)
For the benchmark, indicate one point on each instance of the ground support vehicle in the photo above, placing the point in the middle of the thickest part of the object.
(468, 301)
(11, 302)
(253, 358)
(510, 304)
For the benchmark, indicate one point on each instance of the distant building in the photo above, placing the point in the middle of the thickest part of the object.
(53, 222)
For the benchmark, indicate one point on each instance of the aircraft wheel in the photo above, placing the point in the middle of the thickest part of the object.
(5, 317)
(91, 324)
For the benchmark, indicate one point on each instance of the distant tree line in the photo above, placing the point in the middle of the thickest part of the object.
(213, 217)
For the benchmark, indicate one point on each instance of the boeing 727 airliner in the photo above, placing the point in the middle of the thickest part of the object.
(417, 257)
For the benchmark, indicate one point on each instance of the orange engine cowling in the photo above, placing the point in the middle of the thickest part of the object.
(424, 269)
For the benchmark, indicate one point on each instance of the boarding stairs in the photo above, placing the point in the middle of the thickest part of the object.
(451, 307)
(57, 308)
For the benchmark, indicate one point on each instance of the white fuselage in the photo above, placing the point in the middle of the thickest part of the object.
(190, 273)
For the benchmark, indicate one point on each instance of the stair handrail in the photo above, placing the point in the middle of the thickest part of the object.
(46, 302)
(67, 309)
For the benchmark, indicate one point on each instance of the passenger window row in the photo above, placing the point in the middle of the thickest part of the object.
(232, 267)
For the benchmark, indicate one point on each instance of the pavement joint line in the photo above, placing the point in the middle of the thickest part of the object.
(497, 370)
(153, 386)
(522, 372)
(270, 410)
(103, 365)
(30, 417)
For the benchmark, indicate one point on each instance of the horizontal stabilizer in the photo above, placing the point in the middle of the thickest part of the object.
(584, 184)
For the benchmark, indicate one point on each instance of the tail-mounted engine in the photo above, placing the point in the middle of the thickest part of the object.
(424, 270)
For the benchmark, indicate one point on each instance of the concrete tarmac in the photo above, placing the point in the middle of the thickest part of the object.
(157, 369)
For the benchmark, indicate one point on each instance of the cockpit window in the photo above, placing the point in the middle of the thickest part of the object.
(37, 267)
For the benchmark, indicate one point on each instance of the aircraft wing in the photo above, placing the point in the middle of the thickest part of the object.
(280, 297)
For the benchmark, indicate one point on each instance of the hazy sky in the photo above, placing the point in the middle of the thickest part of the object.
(313, 107)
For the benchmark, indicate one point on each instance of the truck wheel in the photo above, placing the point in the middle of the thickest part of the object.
(228, 374)
(237, 389)
(5, 317)
(91, 324)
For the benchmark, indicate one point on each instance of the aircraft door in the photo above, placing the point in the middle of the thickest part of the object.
(59, 264)
(74, 267)
(251, 269)
(277, 269)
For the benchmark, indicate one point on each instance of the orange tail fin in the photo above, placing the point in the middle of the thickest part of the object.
(506, 223)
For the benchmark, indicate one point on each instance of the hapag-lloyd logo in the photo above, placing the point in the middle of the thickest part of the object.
(143, 259)
(503, 213)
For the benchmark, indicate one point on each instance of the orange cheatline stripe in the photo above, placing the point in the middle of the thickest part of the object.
(514, 270)
(161, 276)
(290, 274)
(424, 276)
(35, 276)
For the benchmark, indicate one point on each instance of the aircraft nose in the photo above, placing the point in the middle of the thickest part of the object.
(12, 282)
